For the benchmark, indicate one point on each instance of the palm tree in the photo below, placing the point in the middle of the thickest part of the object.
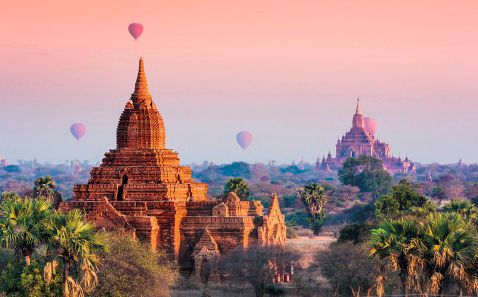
(237, 185)
(8, 195)
(451, 249)
(464, 208)
(74, 242)
(44, 187)
(397, 243)
(314, 198)
(22, 224)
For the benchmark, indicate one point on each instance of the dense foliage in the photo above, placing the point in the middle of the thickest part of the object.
(45, 187)
(314, 198)
(238, 186)
(412, 244)
(73, 242)
(403, 199)
(44, 252)
(68, 242)
(236, 169)
(348, 268)
(22, 224)
(130, 268)
(428, 254)
(366, 173)
(355, 233)
(464, 208)
(19, 280)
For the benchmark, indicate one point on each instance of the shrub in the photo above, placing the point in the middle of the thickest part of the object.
(275, 290)
(16, 279)
(355, 233)
(290, 233)
(238, 186)
(236, 169)
(348, 268)
(298, 218)
(131, 268)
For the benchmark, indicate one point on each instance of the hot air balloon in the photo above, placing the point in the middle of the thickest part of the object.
(135, 29)
(244, 139)
(370, 125)
(78, 130)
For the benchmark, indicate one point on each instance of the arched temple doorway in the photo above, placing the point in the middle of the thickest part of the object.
(124, 181)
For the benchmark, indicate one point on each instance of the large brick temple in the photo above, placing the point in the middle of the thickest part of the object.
(141, 188)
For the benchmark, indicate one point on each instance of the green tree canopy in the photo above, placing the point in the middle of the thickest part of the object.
(236, 169)
(18, 280)
(237, 185)
(428, 254)
(130, 268)
(395, 242)
(465, 208)
(8, 195)
(348, 268)
(366, 173)
(355, 233)
(450, 252)
(44, 186)
(314, 198)
(403, 199)
(74, 243)
(22, 224)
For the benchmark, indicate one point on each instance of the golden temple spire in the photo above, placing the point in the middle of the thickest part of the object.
(141, 90)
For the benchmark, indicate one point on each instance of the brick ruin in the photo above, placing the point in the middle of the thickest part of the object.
(141, 188)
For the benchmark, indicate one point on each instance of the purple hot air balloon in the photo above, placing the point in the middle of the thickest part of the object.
(244, 139)
(135, 29)
(78, 130)
(370, 125)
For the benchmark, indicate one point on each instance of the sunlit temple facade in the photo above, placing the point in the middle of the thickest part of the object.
(140, 188)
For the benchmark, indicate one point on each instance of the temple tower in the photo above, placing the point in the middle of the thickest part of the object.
(141, 168)
(357, 120)
(141, 125)
(141, 189)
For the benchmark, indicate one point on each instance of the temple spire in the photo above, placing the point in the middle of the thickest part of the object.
(358, 117)
(141, 91)
(357, 111)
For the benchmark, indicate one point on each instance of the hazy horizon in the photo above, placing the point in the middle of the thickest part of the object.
(289, 72)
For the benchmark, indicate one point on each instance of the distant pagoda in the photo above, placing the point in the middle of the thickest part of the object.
(360, 140)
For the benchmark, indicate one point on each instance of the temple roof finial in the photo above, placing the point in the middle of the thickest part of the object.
(141, 90)
(357, 111)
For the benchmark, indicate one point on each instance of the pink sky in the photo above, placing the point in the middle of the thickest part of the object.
(288, 71)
